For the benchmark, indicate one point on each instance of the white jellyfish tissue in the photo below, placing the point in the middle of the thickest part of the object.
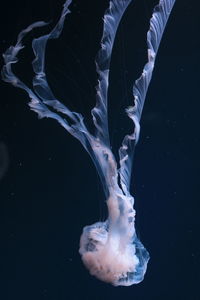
(110, 250)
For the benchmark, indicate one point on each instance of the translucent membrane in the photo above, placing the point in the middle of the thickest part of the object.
(110, 250)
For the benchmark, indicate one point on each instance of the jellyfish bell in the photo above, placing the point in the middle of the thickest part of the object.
(111, 260)
(111, 250)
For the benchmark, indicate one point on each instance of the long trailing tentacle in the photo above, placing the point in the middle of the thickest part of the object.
(42, 98)
(44, 103)
(111, 21)
(158, 22)
(10, 57)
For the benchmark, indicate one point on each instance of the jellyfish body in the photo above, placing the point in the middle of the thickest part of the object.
(110, 250)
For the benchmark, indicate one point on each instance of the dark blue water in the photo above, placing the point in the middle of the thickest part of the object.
(50, 189)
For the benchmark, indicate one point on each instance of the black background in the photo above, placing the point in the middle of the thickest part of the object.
(51, 190)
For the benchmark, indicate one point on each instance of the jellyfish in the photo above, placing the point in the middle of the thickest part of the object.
(110, 250)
